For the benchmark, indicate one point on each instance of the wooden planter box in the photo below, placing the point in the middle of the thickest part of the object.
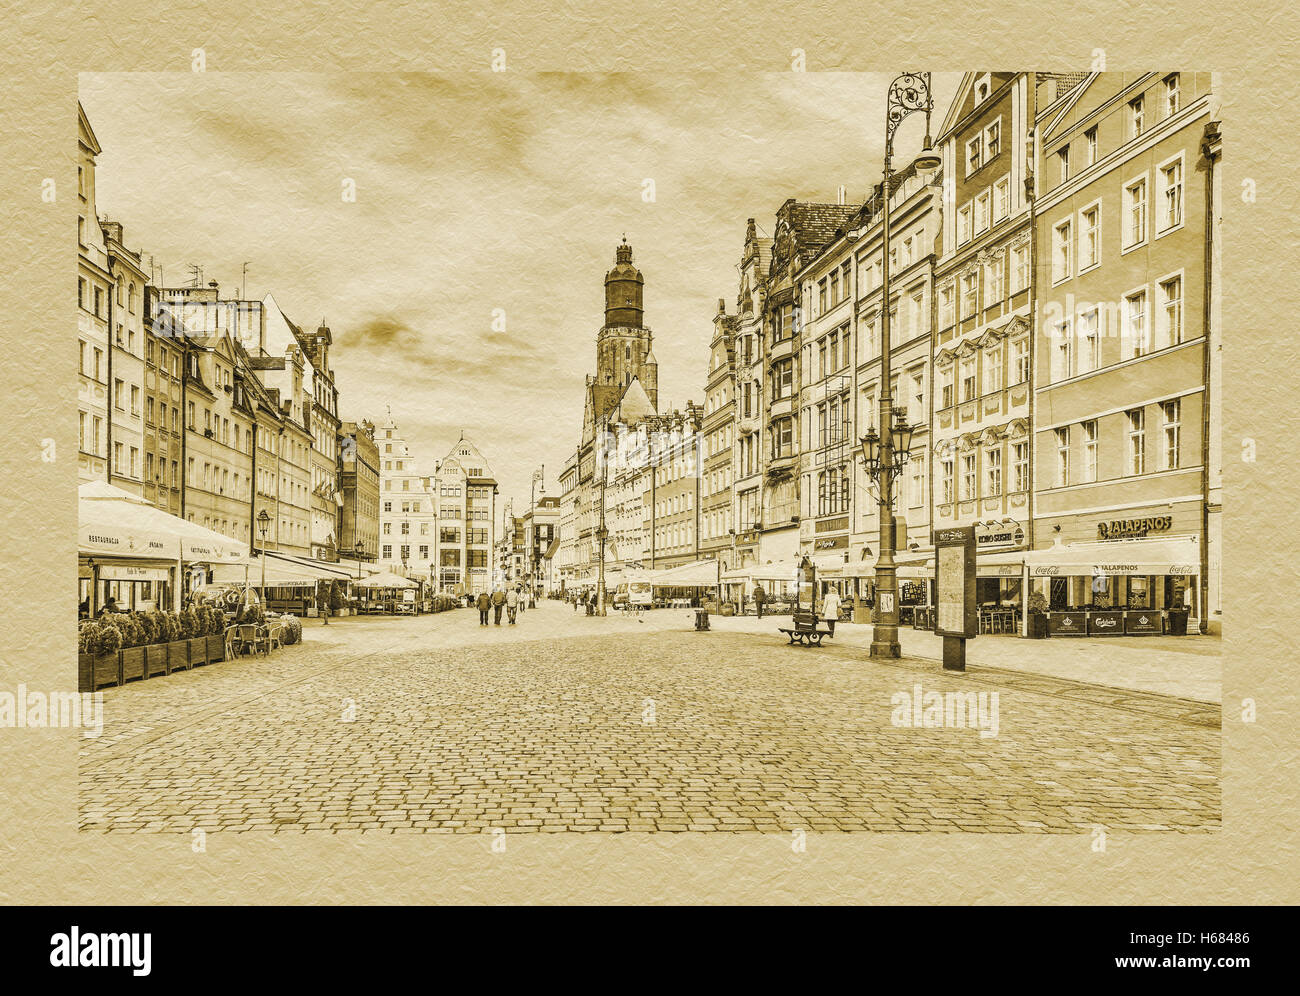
(198, 651)
(155, 660)
(178, 656)
(96, 672)
(216, 647)
(132, 663)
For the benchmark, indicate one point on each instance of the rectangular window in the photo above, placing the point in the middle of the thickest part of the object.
(947, 312)
(968, 379)
(1090, 451)
(1019, 269)
(1136, 116)
(1171, 195)
(1062, 251)
(968, 477)
(1063, 456)
(1171, 311)
(1136, 440)
(982, 212)
(974, 149)
(963, 224)
(993, 290)
(1001, 199)
(1090, 237)
(1063, 163)
(1020, 454)
(946, 478)
(969, 294)
(1135, 213)
(1020, 360)
(916, 486)
(1062, 359)
(1171, 95)
(1172, 412)
(993, 371)
(1089, 341)
(946, 388)
(1090, 145)
(1135, 324)
(992, 140)
(992, 473)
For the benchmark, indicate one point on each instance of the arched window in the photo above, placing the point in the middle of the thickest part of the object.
(130, 298)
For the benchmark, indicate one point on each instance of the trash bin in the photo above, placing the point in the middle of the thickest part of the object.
(701, 619)
(1178, 622)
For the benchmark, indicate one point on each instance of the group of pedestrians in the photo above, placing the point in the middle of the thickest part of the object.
(513, 600)
(585, 600)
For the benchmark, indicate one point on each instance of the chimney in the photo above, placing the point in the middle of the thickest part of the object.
(842, 196)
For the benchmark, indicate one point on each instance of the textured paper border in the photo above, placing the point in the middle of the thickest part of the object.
(1250, 860)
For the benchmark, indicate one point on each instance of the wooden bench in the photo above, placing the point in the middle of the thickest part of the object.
(805, 630)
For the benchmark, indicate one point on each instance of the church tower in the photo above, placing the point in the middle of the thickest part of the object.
(623, 352)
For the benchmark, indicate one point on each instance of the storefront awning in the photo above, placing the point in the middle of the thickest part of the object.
(280, 572)
(115, 523)
(700, 574)
(1118, 558)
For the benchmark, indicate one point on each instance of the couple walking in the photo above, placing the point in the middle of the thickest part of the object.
(512, 600)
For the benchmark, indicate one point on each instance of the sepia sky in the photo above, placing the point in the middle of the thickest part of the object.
(476, 192)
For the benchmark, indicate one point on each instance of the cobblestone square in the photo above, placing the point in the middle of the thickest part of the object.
(568, 723)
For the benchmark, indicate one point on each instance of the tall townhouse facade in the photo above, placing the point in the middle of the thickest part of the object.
(984, 280)
(718, 430)
(541, 529)
(916, 221)
(824, 289)
(673, 502)
(747, 460)
(127, 453)
(408, 513)
(566, 562)
(466, 493)
(110, 338)
(321, 408)
(359, 482)
(1126, 414)
(289, 449)
(164, 359)
(218, 438)
(801, 231)
(94, 292)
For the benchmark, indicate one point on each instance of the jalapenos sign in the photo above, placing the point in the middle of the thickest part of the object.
(1126, 528)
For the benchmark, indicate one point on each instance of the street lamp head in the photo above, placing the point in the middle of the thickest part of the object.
(263, 521)
(902, 435)
(928, 162)
(871, 450)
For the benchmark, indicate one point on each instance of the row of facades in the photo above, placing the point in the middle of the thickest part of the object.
(1055, 320)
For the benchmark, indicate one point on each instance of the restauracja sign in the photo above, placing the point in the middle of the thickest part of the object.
(1121, 528)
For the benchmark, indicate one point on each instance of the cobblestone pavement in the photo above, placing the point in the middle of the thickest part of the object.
(569, 723)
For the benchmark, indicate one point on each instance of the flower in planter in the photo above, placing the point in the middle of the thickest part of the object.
(1037, 603)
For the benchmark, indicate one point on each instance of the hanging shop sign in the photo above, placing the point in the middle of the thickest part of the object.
(1134, 528)
(993, 535)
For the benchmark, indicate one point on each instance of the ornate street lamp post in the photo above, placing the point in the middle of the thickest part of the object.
(886, 453)
(263, 521)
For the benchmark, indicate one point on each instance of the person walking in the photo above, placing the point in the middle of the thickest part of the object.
(498, 603)
(759, 598)
(831, 609)
(522, 597)
(483, 604)
(512, 605)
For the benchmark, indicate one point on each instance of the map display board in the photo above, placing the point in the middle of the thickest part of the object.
(955, 582)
